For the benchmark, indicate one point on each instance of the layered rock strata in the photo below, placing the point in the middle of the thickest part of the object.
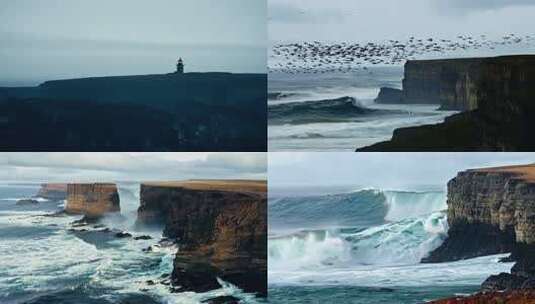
(221, 229)
(492, 211)
(92, 200)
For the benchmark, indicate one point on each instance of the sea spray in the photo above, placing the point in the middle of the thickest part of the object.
(43, 258)
(308, 250)
(129, 202)
(363, 227)
(403, 242)
(406, 204)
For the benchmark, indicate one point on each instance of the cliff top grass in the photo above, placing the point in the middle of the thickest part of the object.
(212, 184)
(523, 172)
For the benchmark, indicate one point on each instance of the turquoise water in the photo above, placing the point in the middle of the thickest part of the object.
(365, 247)
(363, 295)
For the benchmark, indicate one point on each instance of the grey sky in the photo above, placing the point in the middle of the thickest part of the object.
(380, 170)
(41, 167)
(377, 20)
(66, 38)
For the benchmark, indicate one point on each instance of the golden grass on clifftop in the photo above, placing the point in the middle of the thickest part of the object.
(523, 172)
(221, 185)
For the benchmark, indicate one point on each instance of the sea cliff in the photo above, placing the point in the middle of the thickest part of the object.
(492, 211)
(447, 82)
(496, 94)
(92, 199)
(221, 229)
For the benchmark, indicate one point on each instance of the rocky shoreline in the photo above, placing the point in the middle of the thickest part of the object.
(491, 211)
(218, 228)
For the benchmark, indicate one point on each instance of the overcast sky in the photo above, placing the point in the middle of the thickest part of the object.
(93, 167)
(48, 39)
(377, 20)
(380, 170)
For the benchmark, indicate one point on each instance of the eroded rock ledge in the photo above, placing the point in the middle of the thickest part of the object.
(92, 199)
(221, 229)
(492, 211)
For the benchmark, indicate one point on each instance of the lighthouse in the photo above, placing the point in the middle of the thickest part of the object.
(180, 66)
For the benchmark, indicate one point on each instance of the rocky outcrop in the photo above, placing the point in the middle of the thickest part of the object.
(389, 95)
(221, 229)
(27, 202)
(498, 95)
(92, 200)
(489, 211)
(54, 192)
(492, 211)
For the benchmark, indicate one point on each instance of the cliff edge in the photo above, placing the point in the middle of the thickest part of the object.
(221, 229)
(492, 211)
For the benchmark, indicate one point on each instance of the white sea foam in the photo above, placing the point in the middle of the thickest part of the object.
(382, 255)
(40, 256)
(405, 204)
(465, 272)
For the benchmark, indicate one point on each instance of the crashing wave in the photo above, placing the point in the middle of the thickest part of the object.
(319, 111)
(388, 227)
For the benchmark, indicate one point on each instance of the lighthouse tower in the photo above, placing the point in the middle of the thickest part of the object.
(180, 66)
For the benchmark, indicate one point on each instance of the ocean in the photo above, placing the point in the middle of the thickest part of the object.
(43, 260)
(365, 246)
(339, 126)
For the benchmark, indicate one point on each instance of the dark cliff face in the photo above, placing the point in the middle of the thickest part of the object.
(389, 95)
(186, 112)
(447, 82)
(492, 211)
(92, 200)
(499, 93)
(221, 234)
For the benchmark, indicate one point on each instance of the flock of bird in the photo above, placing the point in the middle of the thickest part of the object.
(317, 57)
